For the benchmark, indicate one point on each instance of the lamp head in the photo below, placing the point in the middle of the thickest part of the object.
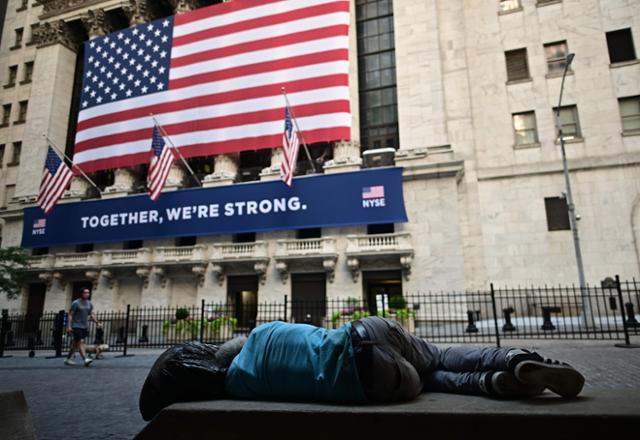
(570, 57)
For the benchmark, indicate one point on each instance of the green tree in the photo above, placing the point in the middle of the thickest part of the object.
(13, 262)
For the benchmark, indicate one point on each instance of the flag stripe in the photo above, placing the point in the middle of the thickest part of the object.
(225, 70)
(250, 97)
(254, 30)
(212, 123)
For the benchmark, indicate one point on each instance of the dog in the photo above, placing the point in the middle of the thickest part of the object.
(96, 349)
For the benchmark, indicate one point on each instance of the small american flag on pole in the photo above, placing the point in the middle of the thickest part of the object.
(55, 179)
(162, 158)
(290, 146)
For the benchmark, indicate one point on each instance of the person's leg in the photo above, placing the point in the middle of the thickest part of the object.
(68, 360)
(465, 359)
(501, 384)
(532, 369)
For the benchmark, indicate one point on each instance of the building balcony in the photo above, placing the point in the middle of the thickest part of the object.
(179, 254)
(240, 259)
(310, 253)
(127, 257)
(394, 251)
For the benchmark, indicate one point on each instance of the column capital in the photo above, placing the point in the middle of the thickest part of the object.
(95, 22)
(56, 32)
(180, 6)
(138, 11)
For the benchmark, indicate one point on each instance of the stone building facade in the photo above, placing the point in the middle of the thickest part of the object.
(466, 104)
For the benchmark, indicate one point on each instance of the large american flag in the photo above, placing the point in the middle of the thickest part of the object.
(213, 79)
(162, 158)
(55, 179)
(290, 146)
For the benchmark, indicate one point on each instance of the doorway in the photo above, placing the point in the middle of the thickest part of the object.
(35, 306)
(308, 298)
(242, 294)
(379, 286)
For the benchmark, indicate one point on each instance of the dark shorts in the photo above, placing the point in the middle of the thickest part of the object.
(79, 334)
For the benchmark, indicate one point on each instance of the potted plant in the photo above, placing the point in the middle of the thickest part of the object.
(219, 327)
(350, 313)
(181, 328)
(399, 311)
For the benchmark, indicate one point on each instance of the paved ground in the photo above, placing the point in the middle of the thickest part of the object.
(101, 402)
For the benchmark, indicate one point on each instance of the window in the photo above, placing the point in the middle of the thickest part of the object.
(18, 38)
(620, 44)
(245, 237)
(28, 72)
(383, 228)
(630, 114)
(15, 156)
(377, 74)
(186, 241)
(83, 248)
(9, 191)
(557, 214)
(1, 155)
(252, 163)
(22, 112)
(40, 251)
(544, 2)
(517, 67)
(6, 114)
(309, 233)
(524, 127)
(509, 5)
(568, 121)
(23, 5)
(34, 34)
(556, 55)
(13, 74)
(132, 244)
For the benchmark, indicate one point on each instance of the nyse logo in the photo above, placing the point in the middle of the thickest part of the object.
(373, 197)
(39, 226)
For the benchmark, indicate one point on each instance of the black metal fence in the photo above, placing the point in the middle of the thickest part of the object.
(608, 313)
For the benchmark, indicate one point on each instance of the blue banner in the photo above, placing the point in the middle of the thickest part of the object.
(360, 197)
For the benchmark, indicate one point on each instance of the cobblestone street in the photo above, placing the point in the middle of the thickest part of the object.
(101, 402)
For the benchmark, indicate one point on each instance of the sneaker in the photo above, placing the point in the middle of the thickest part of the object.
(504, 384)
(559, 377)
(518, 355)
(69, 362)
(87, 362)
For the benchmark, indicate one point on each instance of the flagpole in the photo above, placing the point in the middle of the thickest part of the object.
(164, 133)
(306, 150)
(55, 147)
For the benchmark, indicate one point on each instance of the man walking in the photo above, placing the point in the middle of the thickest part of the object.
(78, 324)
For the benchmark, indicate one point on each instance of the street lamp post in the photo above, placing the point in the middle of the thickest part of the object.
(587, 316)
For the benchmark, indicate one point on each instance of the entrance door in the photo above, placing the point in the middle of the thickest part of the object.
(308, 298)
(35, 306)
(242, 294)
(379, 287)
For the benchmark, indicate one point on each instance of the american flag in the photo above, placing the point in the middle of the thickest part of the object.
(40, 223)
(213, 79)
(291, 146)
(55, 179)
(373, 192)
(162, 158)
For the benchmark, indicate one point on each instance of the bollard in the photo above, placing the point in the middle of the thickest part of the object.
(472, 315)
(546, 317)
(508, 325)
(31, 346)
(99, 338)
(58, 331)
(631, 315)
(145, 335)
(120, 338)
(4, 326)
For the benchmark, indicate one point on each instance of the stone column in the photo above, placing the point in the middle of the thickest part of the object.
(225, 169)
(346, 157)
(50, 100)
(273, 172)
(180, 6)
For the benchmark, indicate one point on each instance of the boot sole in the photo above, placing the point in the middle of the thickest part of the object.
(561, 379)
(506, 384)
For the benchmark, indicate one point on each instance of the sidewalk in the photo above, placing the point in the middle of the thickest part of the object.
(101, 401)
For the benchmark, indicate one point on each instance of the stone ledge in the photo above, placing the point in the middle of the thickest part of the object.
(597, 413)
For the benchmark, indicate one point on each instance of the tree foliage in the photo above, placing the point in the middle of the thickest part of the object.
(13, 263)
